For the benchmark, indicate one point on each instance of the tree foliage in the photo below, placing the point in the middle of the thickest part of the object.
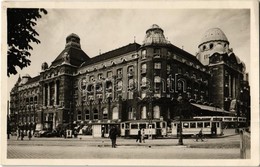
(21, 32)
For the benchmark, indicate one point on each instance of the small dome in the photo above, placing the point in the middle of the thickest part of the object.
(73, 35)
(154, 35)
(213, 34)
(73, 40)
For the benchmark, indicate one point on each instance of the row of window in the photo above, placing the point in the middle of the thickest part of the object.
(115, 114)
(144, 114)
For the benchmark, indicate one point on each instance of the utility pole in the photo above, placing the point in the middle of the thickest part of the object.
(180, 100)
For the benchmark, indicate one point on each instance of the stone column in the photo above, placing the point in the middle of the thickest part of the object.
(54, 121)
(55, 93)
(49, 94)
(43, 94)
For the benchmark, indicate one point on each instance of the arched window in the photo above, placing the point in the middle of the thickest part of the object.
(156, 112)
(87, 115)
(115, 113)
(79, 116)
(105, 111)
(143, 54)
(143, 68)
(143, 112)
(95, 114)
(119, 85)
(144, 81)
(211, 45)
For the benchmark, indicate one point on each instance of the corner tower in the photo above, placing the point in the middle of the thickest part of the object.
(213, 41)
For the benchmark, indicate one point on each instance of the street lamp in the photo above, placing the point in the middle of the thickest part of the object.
(180, 101)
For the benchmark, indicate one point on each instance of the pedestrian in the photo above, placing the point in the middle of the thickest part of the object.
(29, 134)
(75, 133)
(22, 134)
(103, 131)
(18, 133)
(65, 133)
(199, 135)
(139, 136)
(112, 135)
(143, 135)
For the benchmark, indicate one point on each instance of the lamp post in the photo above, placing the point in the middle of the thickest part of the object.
(180, 101)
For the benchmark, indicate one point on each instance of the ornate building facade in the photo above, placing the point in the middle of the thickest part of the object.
(133, 82)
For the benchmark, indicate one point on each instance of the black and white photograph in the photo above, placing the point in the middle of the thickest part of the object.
(130, 83)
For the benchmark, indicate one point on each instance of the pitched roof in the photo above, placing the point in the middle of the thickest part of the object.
(114, 53)
(185, 54)
(34, 79)
(77, 56)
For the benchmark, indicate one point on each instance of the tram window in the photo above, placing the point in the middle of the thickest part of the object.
(153, 126)
(158, 125)
(163, 125)
(206, 124)
(127, 126)
(185, 125)
(142, 126)
(200, 124)
(193, 125)
(134, 126)
(175, 124)
(228, 119)
(217, 124)
(234, 119)
(123, 126)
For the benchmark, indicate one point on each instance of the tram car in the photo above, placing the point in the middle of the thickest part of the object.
(227, 121)
(152, 128)
(193, 126)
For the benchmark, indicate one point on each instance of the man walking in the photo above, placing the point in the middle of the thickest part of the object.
(112, 135)
(139, 136)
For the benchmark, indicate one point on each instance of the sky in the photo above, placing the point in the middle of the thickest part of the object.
(108, 29)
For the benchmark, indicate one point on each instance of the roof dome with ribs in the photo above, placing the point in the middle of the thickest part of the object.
(154, 35)
(213, 34)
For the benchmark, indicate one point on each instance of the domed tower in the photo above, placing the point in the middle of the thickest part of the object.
(151, 68)
(213, 41)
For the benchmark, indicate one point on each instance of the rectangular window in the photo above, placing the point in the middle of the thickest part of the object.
(109, 74)
(87, 117)
(157, 65)
(192, 125)
(134, 126)
(200, 124)
(79, 117)
(206, 124)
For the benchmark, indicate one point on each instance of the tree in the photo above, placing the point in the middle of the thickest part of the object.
(21, 32)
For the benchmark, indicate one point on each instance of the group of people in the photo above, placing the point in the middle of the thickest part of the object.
(141, 136)
(21, 133)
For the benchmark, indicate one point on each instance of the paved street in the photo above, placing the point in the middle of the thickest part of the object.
(89, 148)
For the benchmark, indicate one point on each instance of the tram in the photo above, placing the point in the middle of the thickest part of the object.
(193, 126)
(228, 121)
(152, 128)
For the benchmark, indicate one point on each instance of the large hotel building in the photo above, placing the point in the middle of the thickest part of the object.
(134, 82)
